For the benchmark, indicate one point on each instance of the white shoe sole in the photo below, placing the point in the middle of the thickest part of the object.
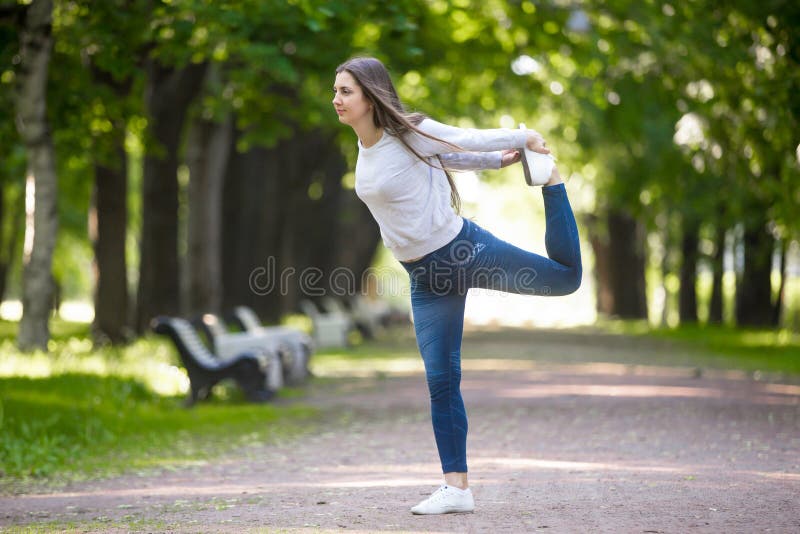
(537, 167)
(445, 512)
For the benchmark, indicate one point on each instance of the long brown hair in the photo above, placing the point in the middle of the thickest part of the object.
(390, 114)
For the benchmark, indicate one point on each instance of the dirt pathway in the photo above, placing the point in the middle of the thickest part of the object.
(554, 447)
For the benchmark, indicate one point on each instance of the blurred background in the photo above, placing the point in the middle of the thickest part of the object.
(182, 157)
(155, 154)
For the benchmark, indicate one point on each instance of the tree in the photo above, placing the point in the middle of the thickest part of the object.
(12, 152)
(233, 92)
(96, 88)
(169, 93)
(38, 287)
(743, 88)
(687, 301)
(209, 145)
(732, 86)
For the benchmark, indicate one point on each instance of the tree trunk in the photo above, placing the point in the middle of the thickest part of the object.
(598, 238)
(108, 222)
(777, 308)
(315, 202)
(618, 247)
(627, 265)
(754, 288)
(207, 152)
(718, 267)
(666, 268)
(107, 230)
(687, 297)
(169, 93)
(251, 231)
(358, 237)
(303, 235)
(5, 260)
(8, 248)
(42, 184)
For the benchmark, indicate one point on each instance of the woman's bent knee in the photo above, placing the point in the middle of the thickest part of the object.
(574, 281)
(570, 283)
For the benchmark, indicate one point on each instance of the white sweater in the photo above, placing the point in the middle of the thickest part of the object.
(410, 199)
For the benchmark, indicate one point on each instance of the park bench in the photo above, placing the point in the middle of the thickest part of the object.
(300, 344)
(275, 356)
(359, 317)
(206, 370)
(370, 315)
(331, 328)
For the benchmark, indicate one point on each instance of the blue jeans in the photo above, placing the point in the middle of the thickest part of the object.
(439, 284)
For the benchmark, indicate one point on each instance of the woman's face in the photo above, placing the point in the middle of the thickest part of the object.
(349, 100)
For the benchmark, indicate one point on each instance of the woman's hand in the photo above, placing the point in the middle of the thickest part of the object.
(536, 142)
(510, 157)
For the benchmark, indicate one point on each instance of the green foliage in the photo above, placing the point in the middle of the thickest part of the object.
(608, 94)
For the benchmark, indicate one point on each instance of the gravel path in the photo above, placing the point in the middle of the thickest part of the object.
(580, 446)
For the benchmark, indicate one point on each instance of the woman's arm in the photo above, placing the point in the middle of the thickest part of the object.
(471, 161)
(470, 139)
(477, 161)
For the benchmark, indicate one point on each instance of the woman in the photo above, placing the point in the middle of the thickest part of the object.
(401, 175)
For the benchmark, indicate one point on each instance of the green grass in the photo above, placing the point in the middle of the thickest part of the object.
(755, 350)
(80, 412)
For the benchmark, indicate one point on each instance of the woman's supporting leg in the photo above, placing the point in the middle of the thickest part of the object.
(439, 324)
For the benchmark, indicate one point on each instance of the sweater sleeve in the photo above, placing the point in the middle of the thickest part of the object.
(469, 139)
(471, 161)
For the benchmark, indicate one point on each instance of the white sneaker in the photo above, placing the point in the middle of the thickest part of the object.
(446, 500)
(537, 167)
